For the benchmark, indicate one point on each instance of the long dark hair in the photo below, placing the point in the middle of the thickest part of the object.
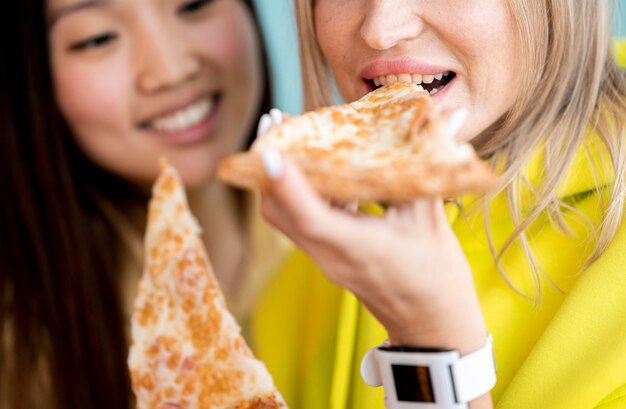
(60, 254)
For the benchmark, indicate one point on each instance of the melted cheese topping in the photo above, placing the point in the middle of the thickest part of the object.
(395, 122)
(187, 351)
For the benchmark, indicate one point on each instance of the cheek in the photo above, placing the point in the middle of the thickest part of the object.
(91, 96)
(229, 42)
(337, 33)
(331, 31)
(230, 45)
(234, 56)
(488, 49)
(235, 49)
(502, 64)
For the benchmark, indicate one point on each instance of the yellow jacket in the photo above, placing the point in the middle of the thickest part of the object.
(568, 351)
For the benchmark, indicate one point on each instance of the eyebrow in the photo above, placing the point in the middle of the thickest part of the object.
(73, 8)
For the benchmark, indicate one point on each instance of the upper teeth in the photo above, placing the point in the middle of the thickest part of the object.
(417, 79)
(184, 118)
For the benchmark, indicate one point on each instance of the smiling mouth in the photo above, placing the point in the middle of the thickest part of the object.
(183, 119)
(431, 83)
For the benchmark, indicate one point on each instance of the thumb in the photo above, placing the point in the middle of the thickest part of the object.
(291, 194)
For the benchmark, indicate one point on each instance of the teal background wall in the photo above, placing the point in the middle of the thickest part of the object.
(619, 18)
(279, 30)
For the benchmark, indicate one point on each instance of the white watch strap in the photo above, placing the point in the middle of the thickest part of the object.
(455, 380)
(474, 374)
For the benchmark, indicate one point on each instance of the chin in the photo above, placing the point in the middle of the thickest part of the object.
(196, 177)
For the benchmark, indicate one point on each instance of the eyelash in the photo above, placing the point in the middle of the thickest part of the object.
(97, 41)
(101, 40)
(193, 6)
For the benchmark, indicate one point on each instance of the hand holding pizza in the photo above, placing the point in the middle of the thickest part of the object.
(395, 145)
(407, 266)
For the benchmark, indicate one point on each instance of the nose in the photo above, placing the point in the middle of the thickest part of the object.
(163, 60)
(390, 22)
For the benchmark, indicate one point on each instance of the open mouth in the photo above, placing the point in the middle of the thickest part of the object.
(431, 83)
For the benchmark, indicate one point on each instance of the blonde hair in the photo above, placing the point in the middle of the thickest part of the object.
(571, 84)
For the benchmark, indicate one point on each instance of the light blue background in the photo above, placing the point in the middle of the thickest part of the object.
(279, 30)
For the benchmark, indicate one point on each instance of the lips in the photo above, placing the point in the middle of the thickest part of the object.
(429, 77)
(427, 82)
(190, 122)
(184, 118)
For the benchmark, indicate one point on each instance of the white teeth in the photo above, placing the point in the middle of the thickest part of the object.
(406, 77)
(435, 90)
(185, 118)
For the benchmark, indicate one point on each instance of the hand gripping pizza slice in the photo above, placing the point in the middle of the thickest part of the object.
(187, 350)
(391, 145)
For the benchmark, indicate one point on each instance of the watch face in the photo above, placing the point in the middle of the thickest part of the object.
(413, 383)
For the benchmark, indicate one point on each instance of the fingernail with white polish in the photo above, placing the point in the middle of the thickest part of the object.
(277, 116)
(264, 124)
(456, 121)
(273, 162)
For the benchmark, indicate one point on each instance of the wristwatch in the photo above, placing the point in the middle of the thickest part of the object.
(433, 378)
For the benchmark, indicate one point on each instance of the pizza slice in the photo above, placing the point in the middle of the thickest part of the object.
(391, 145)
(187, 350)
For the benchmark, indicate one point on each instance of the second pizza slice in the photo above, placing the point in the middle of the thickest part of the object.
(187, 351)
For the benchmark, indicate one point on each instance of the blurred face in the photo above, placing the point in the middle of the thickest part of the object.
(142, 79)
(463, 52)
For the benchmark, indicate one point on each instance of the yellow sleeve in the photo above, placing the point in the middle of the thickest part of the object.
(580, 358)
(312, 335)
(294, 330)
(616, 400)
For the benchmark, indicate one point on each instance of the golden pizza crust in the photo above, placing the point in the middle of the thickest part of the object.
(268, 401)
(388, 146)
(343, 183)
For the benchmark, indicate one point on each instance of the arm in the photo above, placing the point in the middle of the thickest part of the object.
(407, 267)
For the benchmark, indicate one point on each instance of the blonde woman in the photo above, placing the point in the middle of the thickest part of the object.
(537, 263)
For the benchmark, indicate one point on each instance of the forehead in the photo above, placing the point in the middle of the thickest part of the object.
(61, 5)
(57, 9)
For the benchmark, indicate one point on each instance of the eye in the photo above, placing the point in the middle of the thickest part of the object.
(193, 6)
(97, 41)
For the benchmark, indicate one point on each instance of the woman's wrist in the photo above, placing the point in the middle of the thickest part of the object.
(461, 337)
(453, 324)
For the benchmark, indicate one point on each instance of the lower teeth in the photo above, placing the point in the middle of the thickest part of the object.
(435, 90)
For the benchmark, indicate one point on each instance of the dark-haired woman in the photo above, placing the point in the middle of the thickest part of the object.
(92, 93)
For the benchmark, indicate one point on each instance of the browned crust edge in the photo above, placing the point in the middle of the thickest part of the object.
(266, 401)
(396, 183)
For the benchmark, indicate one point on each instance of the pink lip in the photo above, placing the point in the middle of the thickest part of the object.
(194, 134)
(399, 66)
